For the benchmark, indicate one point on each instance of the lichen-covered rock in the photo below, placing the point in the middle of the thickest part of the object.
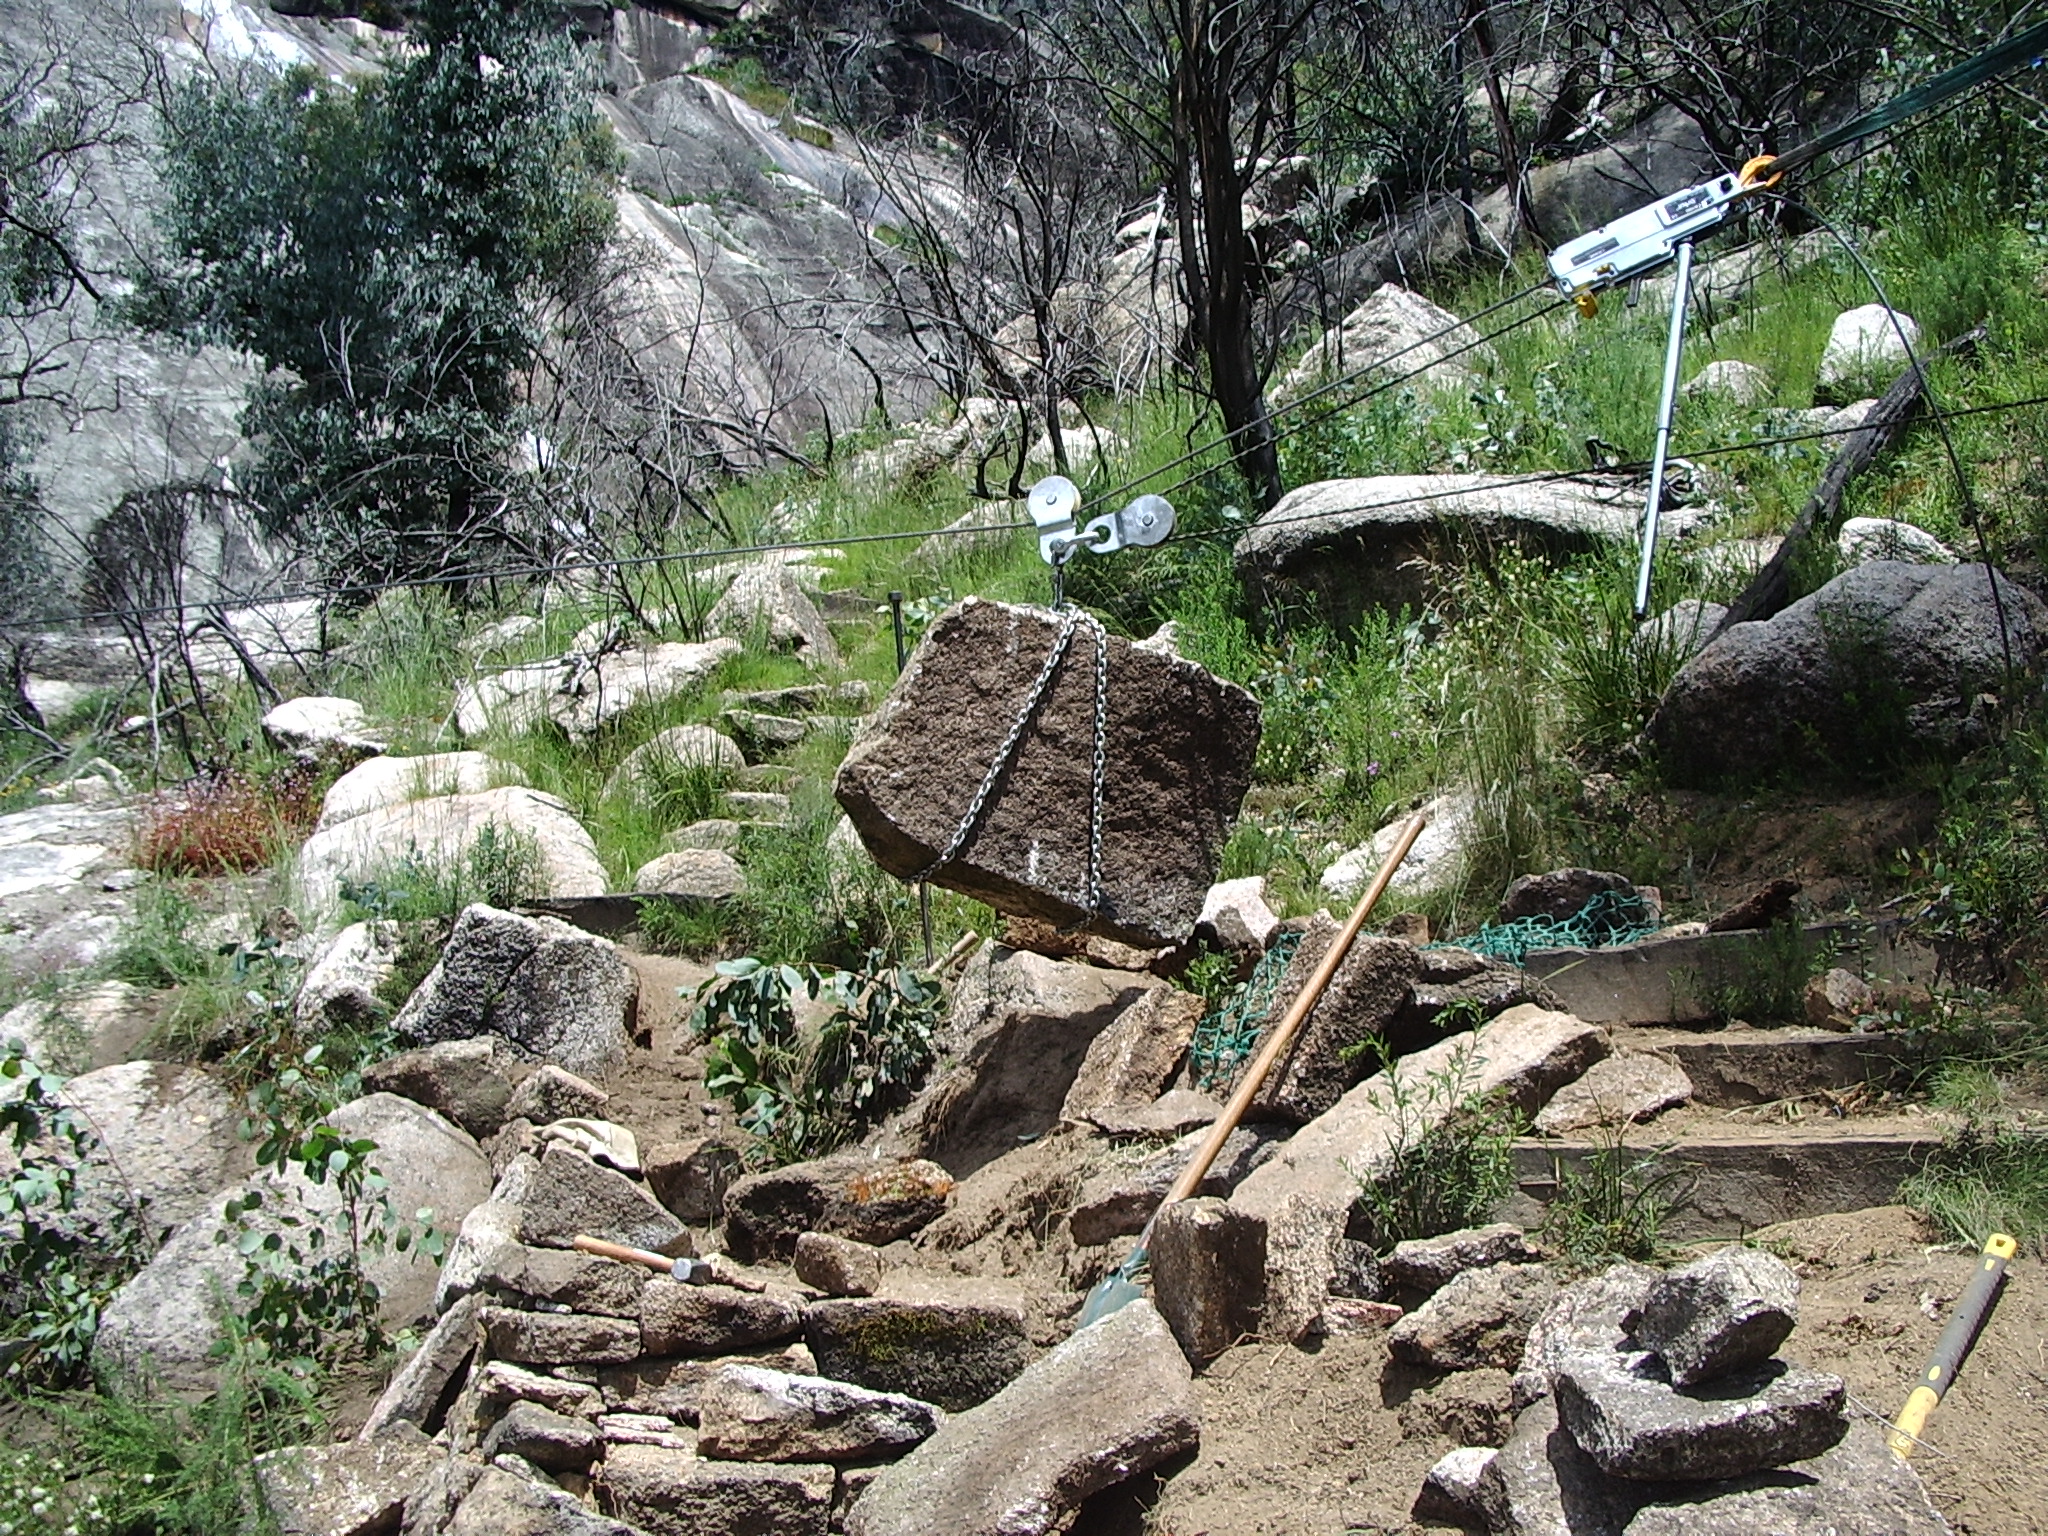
(954, 1352)
(554, 1442)
(1180, 744)
(848, 1195)
(745, 1413)
(1887, 658)
(1634, 1424)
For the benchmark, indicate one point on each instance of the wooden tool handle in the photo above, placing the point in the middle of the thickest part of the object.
(621, 1252)
(1282, 1034)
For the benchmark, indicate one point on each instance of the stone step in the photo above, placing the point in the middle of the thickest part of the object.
(1745, 1172)
(1745, 1065)
(1685, 980)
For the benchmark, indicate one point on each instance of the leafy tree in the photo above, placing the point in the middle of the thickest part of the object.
(387, 247)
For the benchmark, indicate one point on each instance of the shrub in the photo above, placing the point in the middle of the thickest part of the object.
(229, 820)
(61, 1264)
(501, 867)
(802, 1091)
(1453, 1157)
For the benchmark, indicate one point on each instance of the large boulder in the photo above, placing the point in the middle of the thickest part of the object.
(553, 992)
(163, 1144)
(766, 598)
(1887, 659)
(1179, 745)
(341, 988)
(387, 781)
(1353, 545)
(1114, 1400)
(163, 1324)
(1393, 331)
(1021, 1025)
(581, 693)
(1864, 343)
(442, 831)
(327, 727)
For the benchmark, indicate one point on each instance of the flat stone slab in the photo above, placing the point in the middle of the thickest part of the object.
(1673, 980)
(1742, 1177)
(1617, 1091)
(1743, 1064)
(1635, 1424)
(1112, 1401)
(1857, 1489)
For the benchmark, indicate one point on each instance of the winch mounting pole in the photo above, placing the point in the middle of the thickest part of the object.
(1674, 351)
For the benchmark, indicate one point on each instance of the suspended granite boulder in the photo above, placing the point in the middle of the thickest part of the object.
(1178, 748)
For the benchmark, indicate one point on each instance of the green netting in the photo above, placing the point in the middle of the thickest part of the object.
(1608, 918)
(1229, 1035)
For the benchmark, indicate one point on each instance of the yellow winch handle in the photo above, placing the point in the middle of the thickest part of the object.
(1971, 1309)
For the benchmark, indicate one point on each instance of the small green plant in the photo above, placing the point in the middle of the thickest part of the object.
(1613, 1205)
(122, 1461)
(1452, 1160)
(1766, 983)
(1986, 1179)
(62, 1261)
(806, 1091)
(304, 1292)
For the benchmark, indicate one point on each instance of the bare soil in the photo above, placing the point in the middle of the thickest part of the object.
(1334, 1441)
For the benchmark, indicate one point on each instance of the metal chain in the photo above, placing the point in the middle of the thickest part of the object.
(1070, 620)
(1099, 772)
(1008, 749)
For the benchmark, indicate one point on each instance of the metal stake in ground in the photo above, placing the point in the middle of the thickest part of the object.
(1120, 1289)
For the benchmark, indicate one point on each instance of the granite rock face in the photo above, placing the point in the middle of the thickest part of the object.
(1180, 744)
(1889, 657)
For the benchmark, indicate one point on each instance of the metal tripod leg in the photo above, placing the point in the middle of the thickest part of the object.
(1674, 350)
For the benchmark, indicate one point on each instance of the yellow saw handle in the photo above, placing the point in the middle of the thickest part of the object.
(1972, 1307)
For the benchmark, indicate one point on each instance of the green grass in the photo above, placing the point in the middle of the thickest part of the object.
(1987, 1179)
(1614, 1204)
